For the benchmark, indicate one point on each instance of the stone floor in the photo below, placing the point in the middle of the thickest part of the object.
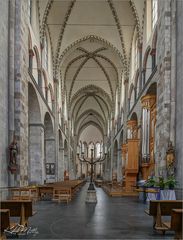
(110, 218)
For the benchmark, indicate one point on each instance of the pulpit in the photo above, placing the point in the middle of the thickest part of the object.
(130, 153)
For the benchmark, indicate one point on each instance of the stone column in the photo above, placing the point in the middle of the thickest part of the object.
(21, 90)
(6, 102)
(179, 98)
(50, 156)
(125, 108)
(140, 67)
(11, 70)
(56, 126)
(119, 166)
(61, 164)
(165, 100)
(36, 154)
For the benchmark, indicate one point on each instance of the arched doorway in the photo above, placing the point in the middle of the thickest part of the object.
(49, 149)
(36, 139)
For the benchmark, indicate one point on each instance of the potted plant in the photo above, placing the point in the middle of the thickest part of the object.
(161, 184)
(171, 182)
(151, 182)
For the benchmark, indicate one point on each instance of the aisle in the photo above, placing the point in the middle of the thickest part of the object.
(110, 218)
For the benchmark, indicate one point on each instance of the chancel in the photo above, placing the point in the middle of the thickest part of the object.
(91, 113)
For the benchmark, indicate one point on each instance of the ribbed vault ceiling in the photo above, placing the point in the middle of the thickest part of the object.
(91, 44)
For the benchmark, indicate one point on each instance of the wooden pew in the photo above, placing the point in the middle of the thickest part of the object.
(47, 191)
(159, 208)
(176, 223)
(61, 194)
(19, 208)
(24, 193)
(5, 221)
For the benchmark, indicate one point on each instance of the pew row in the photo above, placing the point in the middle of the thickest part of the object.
(65, 190)
(24, 193)
(5, 221)
(176, 223)
(160, 208)
(19, 208)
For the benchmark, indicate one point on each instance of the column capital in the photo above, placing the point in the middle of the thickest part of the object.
(31, 52)
(148, 101)
(140, 47)
(153, 52)
(126, 81)
(55, 80)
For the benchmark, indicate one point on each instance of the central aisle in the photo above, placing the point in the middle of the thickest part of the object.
(110, 218)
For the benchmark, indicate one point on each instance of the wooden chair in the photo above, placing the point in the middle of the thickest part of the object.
(159, 208)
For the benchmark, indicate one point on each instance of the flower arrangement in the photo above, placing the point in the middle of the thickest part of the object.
(171, 183)
(161, 182)
(151, 182)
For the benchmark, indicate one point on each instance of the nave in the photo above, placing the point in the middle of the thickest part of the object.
(110, 218)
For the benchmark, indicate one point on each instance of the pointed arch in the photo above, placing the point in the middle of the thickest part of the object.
(137, 83)
(37, 56)
(45, 84)
(51, 91)
(146, 54)
(147, 65)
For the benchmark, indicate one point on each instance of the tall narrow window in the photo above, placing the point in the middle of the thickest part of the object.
(154, 12)
(29, 9)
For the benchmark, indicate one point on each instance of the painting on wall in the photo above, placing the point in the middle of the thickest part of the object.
(50, 168)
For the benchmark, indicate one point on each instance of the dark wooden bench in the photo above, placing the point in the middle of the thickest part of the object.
(19, 208)
(159, 208)
(5, 221)
(176, 223)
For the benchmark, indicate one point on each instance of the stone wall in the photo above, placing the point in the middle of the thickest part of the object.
(4, 26)
(21, 89)
(179, 97)
(164, 108)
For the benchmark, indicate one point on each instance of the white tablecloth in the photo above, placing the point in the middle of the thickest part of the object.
(163, 195)
(167, 195)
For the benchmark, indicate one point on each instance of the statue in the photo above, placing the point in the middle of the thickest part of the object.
(13, 151)
(170, 158)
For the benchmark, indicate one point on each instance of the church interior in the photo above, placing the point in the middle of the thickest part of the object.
(91, 119)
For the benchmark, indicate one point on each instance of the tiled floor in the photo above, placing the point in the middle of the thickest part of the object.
(110, 218)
